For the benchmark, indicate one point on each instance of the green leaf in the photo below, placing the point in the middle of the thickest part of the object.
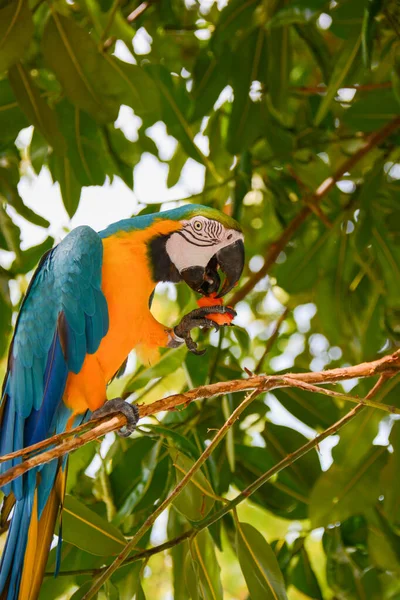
(371, 10)
(85, 529)
(282, 496)
(127, 469)
(318, 47)
(168, 363)
(9, 190)
(347, 18)
(344, 491)
(175, 102)
(38, 151)
(136, 88)
(181, 442)
(297, 11)
(236, 19)
(87, 152)
(210, 76)
(123, 153)
(372, 111)
(314, 410)
(243, 173)
(373, 182)
(243, 339)
(346, 569)
(205, 567)
(297, 273)
(61, 171)
(220, 158)
(176, 165)
(78, 462)
(250, 65)
(140, 595)
(387, 251)
(303, 577)
(395, 78)
(79, 594)
(383, 543)
(259, 565)
(16, 32)
(353, 448)
(279, 47)
(342, 67)
(148, 467)
(12, 119)
(5, 315)
(9, 233)
(176, 526)
(85, 75)
(391, 484)
(35, 107)
(127, 579)
(282, 441)
(196, 499)
(332, 290)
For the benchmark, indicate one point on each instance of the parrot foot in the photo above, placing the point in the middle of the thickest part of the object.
(117, 405)
(198, 318)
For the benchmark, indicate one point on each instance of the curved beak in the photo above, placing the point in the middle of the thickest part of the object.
(231, 263)
(206, 281)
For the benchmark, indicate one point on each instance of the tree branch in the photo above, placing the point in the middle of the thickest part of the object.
(247, 492)
(276, 247)
(122, 556)
(387, 365)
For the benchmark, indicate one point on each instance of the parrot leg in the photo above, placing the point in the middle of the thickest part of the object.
(198, 318)
(117, 405)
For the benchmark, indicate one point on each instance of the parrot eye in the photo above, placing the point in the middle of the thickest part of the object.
(198, 225)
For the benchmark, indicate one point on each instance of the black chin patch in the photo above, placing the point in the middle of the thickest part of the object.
(163, 269)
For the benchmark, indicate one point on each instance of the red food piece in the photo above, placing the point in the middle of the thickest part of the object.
(211, 300)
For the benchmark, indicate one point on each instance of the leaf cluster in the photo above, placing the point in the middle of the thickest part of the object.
(270, 98)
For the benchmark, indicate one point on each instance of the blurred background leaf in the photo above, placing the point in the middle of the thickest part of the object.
(252, 105)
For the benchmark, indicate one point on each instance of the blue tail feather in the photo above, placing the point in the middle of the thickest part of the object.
(12, 559)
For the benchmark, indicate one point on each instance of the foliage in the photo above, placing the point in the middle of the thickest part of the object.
(284, 92)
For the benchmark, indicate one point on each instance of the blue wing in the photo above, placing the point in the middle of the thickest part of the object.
(63, 317)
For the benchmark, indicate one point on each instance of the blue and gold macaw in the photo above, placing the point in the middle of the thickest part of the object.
(87, 307)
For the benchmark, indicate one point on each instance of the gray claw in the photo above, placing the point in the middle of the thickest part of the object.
(118, 405)
(197, 318)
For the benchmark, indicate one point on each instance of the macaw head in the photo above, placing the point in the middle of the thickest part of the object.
(207, 243)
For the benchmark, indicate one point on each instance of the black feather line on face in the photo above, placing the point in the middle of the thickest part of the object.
(201, 245)
(163, 269)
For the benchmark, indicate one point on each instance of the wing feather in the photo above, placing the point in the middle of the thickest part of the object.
(63, 317)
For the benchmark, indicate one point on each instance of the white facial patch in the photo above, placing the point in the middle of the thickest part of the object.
(197, 242)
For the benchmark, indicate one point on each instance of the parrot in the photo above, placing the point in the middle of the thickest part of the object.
(88, 305)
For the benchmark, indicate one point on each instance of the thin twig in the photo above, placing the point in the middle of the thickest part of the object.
(388, 364)
(276, 247)
(247, 492)
(176, 491)
(135, 14)
(308, 387)
(143, 554)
